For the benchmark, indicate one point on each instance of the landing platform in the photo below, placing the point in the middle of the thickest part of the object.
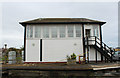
(61, 66)
(61, 70)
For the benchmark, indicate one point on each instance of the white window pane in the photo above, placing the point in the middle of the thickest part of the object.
(62, 31)
(54, 32)
(45, 32)
(37, 31)
(96, 31)
(70, 31)
(78, 31)
(29, 31)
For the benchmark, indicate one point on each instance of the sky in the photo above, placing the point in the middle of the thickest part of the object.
(15, 12)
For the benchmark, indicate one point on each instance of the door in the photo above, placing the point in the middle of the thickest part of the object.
(87, 32)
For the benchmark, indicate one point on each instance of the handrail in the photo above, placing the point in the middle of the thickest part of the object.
(101, 44)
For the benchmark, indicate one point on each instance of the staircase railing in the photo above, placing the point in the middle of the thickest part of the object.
(93, 40)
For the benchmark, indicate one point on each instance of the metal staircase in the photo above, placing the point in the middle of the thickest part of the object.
(101, 47)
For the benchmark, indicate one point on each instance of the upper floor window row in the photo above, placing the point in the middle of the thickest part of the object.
(53, 31)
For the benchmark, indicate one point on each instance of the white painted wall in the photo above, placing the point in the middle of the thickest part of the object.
(92, 55)
(91, 26)
(56, 50)
(32, 50)
(98, 56)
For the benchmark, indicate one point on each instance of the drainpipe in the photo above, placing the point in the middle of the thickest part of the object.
(83, 39)
(101, 41)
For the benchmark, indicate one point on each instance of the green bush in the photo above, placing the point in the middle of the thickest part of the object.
(73, 56)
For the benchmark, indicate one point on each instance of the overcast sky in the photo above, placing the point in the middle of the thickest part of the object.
(13, 13)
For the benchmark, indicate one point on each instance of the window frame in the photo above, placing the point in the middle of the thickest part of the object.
(79, 31)
(46, 34)
(29, 34)
(96, 31)
(69, 34)
(61, 33)
(54, 33)
(38, 31)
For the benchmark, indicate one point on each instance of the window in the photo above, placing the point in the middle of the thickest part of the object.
(29, 31)
(54, 32)
(62, 31)
(96, 31)
(70, 31)
(37, 31)
(78, 31)
(45, 32)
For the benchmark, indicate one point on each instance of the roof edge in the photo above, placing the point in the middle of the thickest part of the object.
(101, 23)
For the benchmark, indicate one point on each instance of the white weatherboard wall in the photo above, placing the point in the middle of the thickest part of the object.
(32, 50)
(92, 55)
(56, 50)
(91, 26)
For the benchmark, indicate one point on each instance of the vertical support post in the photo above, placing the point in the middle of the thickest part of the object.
(84, 54)
(104, 47)
(111, 55)
(79, 60)
(95, 40)
(24, 43)
(105, 60)
(40, 49)
(101, 40)
(95, 50)
(87, 50)
(96, 55)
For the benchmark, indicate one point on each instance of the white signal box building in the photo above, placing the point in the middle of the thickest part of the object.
(51, 39)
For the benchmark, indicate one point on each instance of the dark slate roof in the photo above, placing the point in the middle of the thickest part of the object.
(61, 21)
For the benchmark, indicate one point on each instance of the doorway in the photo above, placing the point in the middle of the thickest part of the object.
(87, 32)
